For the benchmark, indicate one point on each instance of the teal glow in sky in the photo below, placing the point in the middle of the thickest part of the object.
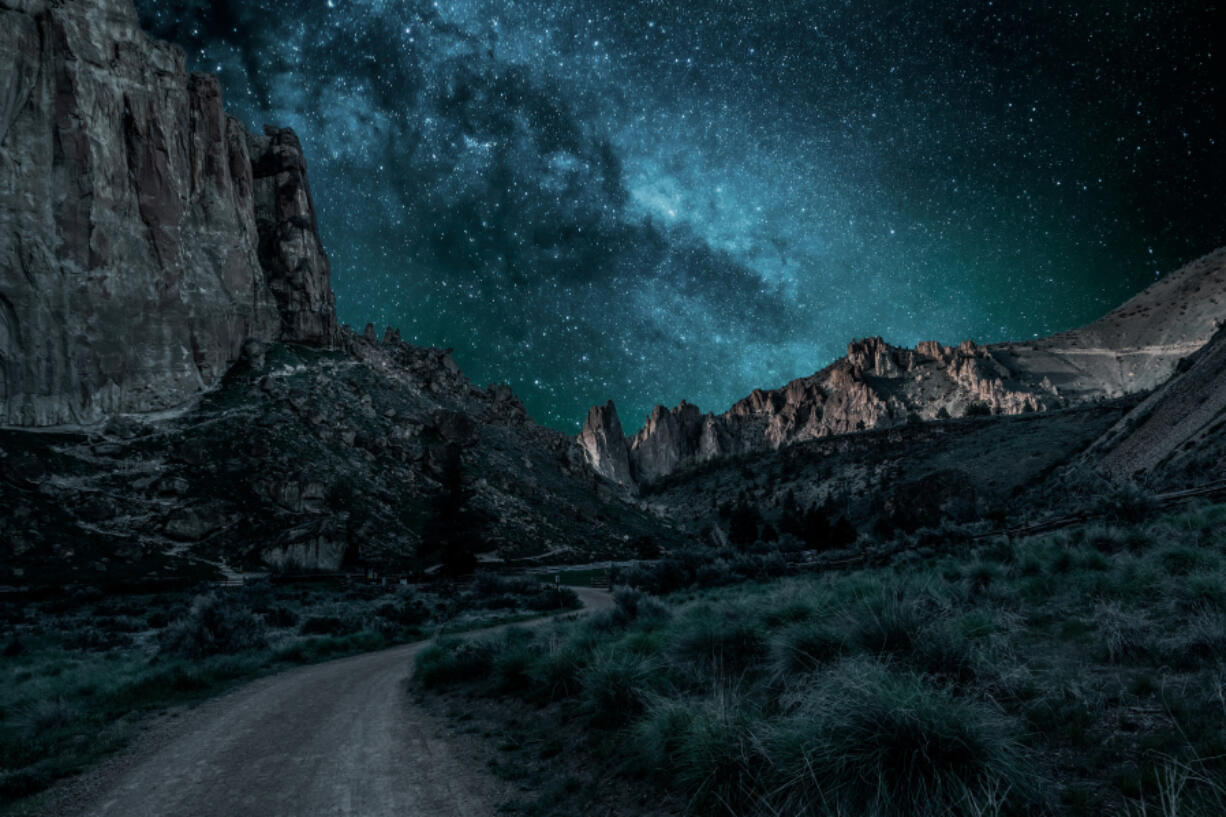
(661, 201)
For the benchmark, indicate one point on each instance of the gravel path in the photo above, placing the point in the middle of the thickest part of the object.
(339, 738)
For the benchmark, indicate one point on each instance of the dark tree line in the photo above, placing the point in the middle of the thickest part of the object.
(819, 527)
(452, 533)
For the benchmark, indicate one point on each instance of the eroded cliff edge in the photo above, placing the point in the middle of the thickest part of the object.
(145, 235)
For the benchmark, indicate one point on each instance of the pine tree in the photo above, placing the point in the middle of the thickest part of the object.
(743, 524)
(843, 533)
(791, 520)
(816, 531)
(452, 534)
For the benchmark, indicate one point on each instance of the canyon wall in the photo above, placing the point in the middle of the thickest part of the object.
(145, 235)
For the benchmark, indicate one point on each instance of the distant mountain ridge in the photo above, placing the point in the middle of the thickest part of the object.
(1132, 349)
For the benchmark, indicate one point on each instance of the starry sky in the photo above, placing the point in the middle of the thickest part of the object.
(652, 201)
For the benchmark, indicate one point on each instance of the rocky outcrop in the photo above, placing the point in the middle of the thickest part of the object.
(145, 236)
(604, 445)
(295, 264)
(876, 385)
(667, 439)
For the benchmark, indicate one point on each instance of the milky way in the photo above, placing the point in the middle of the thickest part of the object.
(654, 201)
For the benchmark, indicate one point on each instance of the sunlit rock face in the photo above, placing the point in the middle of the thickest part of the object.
(604, 445)
(144, 234)
(1133, 349)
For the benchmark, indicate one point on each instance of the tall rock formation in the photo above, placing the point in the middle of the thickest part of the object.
(1133, 349)
(295, 264)
(604, 444)
(140, 247)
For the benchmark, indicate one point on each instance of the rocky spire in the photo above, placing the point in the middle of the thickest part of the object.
(604, 445)
(295, 264)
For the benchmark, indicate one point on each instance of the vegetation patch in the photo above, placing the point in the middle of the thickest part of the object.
(1081, 672)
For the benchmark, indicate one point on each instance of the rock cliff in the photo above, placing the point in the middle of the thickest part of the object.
(604, 444)
(154, 254)
(1131, 350)
(128, 198)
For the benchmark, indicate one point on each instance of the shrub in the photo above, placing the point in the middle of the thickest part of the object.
(453, 661)
(213, 625)
(632, 605)
(549, 598)
(714, 760)
(1200, 642)
(492, 592)
(46, 715)
(1128, 503)
(615, 687)
(1180, 561)
(329, 625)
(806, 646)
(1125, 633)
(94, 638)
(722, 639)
(280, 616)
(515, 656)
(872, 741)
(558, 671)
(1106, 539)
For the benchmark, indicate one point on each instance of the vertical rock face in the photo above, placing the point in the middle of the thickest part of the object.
(668, 438)
(130, 249)
(293, 257)
(604, 444)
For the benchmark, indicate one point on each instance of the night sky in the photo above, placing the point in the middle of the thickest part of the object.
(653, 201)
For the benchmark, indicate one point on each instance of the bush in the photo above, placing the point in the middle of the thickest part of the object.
(1128, 503)
(713, 757)
(615, 687)
(280, 616)
(872, 741)
(214, 624)
(632, 605)
(1201, 641)
(329, 625)
(806, 646)
(453, 661)
(493, 592)
(723, 639)
(47, 715)
(557, 673)
(94, 638)
(1125, 634)
(514, 657)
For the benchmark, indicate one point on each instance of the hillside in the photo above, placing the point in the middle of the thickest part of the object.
(1174, 438)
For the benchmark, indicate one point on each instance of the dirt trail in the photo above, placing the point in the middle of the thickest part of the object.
(339, 738)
